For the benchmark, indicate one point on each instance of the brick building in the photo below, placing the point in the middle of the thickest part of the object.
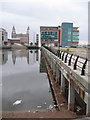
(50, 36)
(65, 35)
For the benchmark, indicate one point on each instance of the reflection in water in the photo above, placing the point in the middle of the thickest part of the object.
(24, 79)
(4, 56)
(29, 55)
(42, 65)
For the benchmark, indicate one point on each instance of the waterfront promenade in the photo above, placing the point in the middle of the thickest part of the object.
(63, 108)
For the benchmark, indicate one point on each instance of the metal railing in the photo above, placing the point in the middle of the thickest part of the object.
(77, 62)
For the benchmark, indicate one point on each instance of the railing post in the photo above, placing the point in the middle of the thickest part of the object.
(70, 60)
(66, 58)
(62, 56)
(75, 64)
(83, 67)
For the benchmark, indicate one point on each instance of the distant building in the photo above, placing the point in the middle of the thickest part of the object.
(3, 37)
(66, 35)
(50, 36)
(75, 39)
(14, 40)
(19, 38)
(69, 35)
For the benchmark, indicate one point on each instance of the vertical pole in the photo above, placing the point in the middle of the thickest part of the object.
(62, 84)
(87, 103)
(71, 97)
(57, 75)
(54, 69)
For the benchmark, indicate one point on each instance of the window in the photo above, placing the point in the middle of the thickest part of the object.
(69, 34)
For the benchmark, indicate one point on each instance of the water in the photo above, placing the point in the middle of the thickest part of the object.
(24, 79)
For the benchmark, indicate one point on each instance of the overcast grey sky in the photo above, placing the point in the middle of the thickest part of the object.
(34, 13)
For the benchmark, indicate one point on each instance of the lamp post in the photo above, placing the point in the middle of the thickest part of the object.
(59, 54)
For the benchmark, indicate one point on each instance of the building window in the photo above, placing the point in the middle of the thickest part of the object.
(69, 34)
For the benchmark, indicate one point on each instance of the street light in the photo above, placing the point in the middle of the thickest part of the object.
(59, 54)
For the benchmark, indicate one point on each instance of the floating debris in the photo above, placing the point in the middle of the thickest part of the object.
(17, 102)
(45, 103)
(39, 106)
(53, 110)
(55, 106)
(34, 111)
(61, 104)
(50, 107)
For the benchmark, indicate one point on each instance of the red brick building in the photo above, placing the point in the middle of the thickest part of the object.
(50, 36)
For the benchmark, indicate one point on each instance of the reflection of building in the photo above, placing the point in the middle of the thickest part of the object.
(4, 56)
(32, 57)
(19, 38)
(20, 54)
(69, 35)
(36, 54)
(3, 37)
(37, 39)
(50, 36)
(66, 35)
(42, 65)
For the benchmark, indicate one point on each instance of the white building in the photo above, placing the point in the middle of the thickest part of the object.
(3, 37)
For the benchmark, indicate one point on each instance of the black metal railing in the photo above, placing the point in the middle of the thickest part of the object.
(78, 63)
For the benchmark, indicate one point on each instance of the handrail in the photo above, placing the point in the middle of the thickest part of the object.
(68, 57)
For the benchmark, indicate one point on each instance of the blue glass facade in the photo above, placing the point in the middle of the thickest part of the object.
(66, 34)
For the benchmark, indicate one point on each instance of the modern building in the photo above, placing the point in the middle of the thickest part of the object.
(75, 40)
(22, 38)
(69, 35)
(50, 36)
(3, 37)
(64, 35)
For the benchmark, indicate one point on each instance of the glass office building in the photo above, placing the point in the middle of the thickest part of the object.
(69, 35)
(50, 36)
(66, 34)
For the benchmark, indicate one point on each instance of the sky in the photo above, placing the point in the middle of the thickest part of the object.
(36, 13)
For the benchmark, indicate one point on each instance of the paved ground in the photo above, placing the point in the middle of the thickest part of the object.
(88, 118)
(83, 52)
(38, 114)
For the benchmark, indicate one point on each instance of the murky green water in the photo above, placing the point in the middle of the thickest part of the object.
(25, 84)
